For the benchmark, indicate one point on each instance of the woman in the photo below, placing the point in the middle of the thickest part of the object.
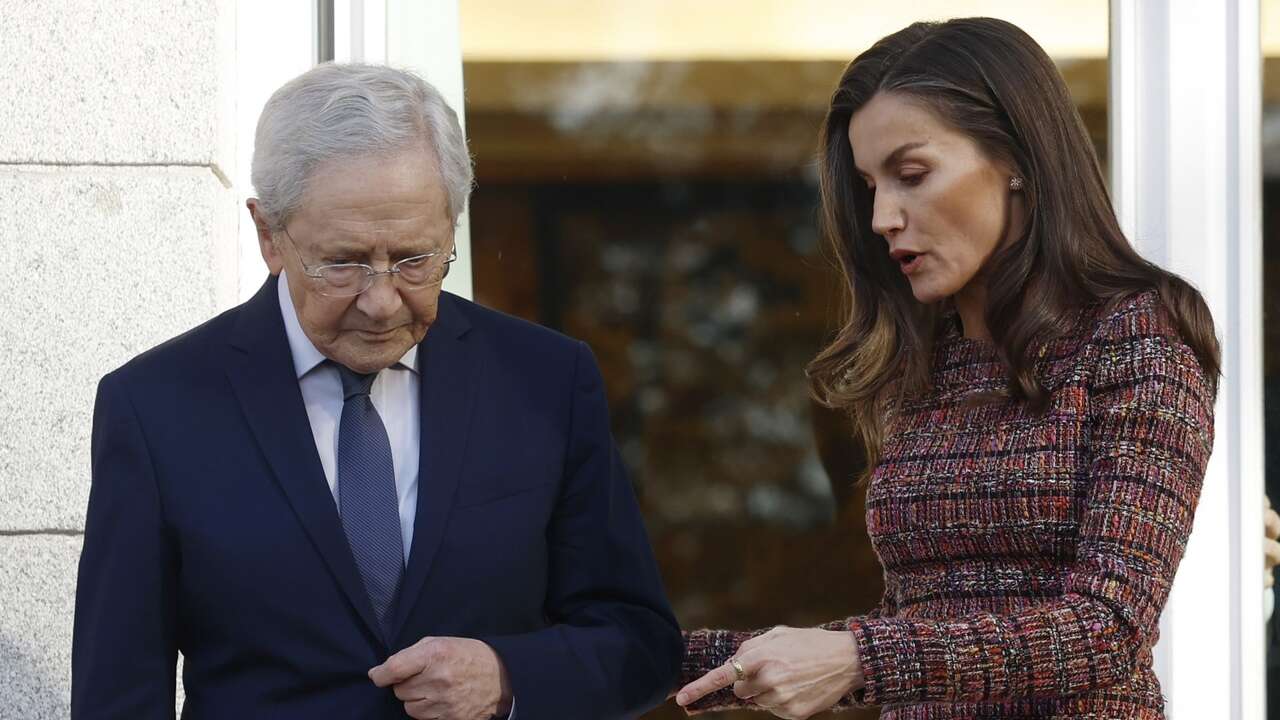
(1035, 401)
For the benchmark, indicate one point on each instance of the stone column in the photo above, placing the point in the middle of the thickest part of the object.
(117, 231)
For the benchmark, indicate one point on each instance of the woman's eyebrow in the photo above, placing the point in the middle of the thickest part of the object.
(892, 158)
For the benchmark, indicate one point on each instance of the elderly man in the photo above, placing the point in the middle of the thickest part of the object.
(357, 496)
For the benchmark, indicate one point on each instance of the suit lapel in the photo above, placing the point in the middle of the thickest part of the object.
(263, 379)
(449, 371)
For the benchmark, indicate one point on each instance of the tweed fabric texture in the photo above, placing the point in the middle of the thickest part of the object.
(1027, 558)
(368, 504)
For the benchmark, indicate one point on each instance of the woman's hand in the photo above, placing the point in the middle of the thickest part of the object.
(791, 672)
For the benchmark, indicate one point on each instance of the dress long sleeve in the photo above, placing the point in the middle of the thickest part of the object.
(1028, 556)
(1145, 445)
(706, 650)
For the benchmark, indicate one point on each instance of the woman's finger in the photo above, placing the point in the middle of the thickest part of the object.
(717, 679)
(767, 700)
(763, 638)
(749, 688)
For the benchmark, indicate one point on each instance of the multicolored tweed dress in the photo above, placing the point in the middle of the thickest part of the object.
(1027, 558)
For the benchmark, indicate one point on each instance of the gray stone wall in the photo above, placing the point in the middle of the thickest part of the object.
(118, 224)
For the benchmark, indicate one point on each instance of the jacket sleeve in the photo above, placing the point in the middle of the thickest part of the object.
(124, 644)
(613, 647)
(1151, 432)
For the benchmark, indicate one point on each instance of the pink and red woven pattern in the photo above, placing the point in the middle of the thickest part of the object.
(1027, 558)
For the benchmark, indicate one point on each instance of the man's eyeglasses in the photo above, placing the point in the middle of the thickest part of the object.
(346, 279)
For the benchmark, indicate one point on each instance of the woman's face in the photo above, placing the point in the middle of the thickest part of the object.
(940, 204)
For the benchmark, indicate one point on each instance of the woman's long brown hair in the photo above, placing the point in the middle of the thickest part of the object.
(991, 81)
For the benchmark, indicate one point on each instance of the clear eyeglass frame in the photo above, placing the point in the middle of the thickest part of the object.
(351, 279)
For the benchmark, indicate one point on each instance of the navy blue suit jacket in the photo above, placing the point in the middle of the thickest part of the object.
(211, 530)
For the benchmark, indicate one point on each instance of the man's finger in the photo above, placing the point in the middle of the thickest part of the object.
(1270, 553)
(1271, 521)
(395, 670)
(409, 690)
(425, 709)
(401, 666)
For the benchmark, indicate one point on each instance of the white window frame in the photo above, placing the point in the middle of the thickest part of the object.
(275, 41)
(278, 41)
(1185, 115)
(422, 36)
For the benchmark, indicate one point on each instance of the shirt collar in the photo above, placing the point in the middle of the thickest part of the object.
(305, 355)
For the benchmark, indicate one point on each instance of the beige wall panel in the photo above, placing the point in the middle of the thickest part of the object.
(37, 595)
(121, 82)
(103, 263)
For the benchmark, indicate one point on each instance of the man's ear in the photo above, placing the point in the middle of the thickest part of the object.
(271, 254)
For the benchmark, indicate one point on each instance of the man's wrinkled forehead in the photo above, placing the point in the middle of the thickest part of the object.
(354, 240)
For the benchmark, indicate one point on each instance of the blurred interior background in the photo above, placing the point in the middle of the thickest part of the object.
(646, 182)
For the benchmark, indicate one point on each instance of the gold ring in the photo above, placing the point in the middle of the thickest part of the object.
(737, 669)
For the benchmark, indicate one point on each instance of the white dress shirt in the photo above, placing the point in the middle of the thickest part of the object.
(394, 394)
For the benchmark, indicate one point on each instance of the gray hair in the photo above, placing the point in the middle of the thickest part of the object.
(350, 110)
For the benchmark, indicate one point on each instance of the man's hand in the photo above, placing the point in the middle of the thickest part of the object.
(447, 679)
(791, 672)
(1270, 547)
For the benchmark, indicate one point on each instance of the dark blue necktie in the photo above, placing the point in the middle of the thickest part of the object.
(367, 495)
